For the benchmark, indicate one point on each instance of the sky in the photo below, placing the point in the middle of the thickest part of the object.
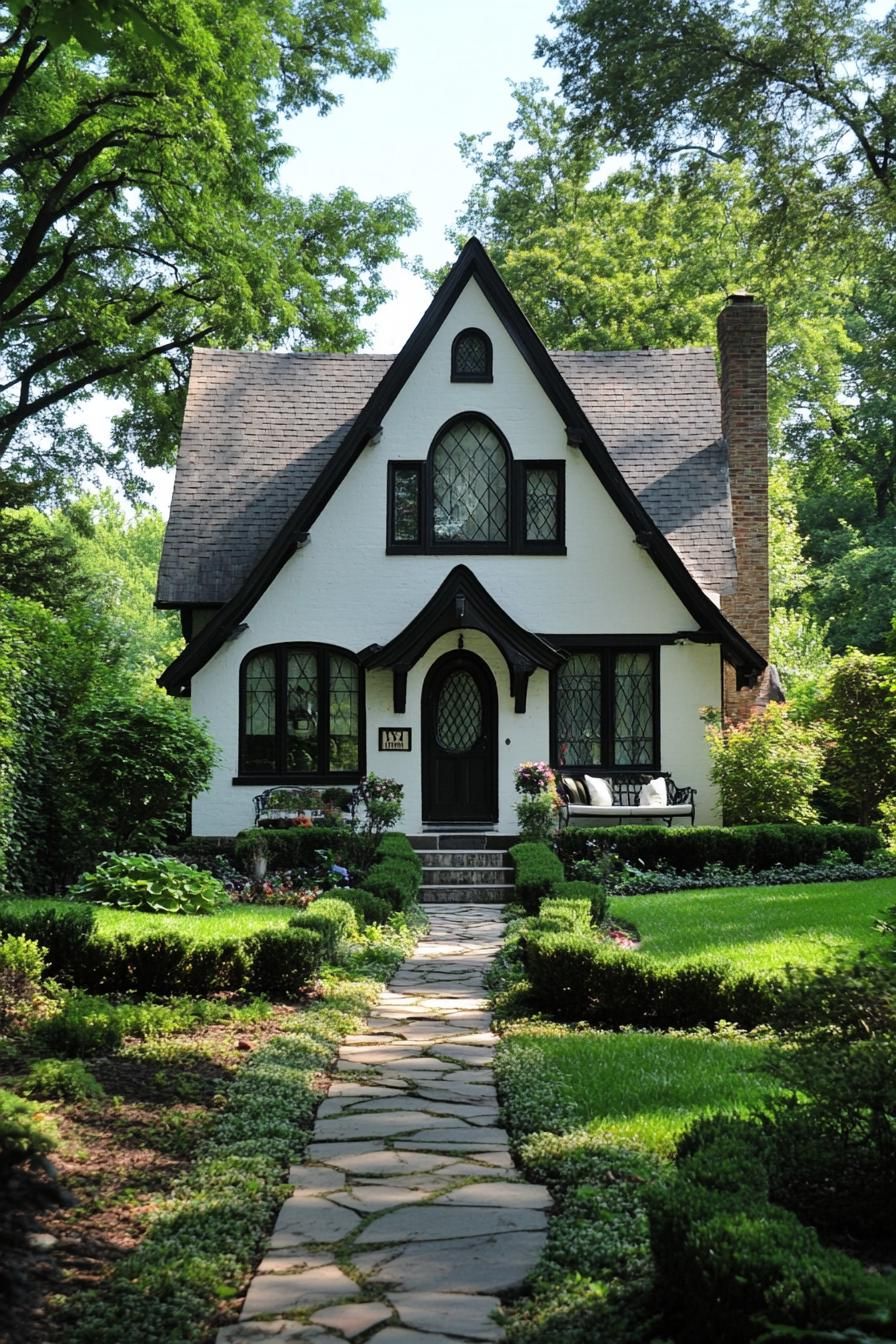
(454, 61)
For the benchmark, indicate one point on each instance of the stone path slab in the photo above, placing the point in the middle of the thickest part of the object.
(408, 1218)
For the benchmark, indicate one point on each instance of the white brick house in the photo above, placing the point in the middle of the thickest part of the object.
(509, 554)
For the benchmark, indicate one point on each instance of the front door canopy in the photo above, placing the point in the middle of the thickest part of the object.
(461, 603)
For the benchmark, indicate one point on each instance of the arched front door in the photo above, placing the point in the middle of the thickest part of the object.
(460, 741)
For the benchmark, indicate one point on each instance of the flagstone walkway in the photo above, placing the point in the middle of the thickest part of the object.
(408, 1218)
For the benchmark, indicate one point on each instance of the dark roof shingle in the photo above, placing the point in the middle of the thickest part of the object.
(259, 428)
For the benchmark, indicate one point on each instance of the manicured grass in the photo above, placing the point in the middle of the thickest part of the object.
(234, 921)
(645, 1087)
(760, 929)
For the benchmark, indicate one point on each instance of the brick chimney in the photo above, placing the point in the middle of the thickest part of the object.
(742, 326)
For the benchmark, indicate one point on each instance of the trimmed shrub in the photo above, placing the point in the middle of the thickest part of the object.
(25, 1135)
(62, 1080)
(368, 908)
(592, 892)
(536, 870)
(396, 881)
(333, 920)
(148, 882)
(297, 847)
(578, 978)
(283, 962)
(766, 768)
(21, 968)
(733, 1266)
(397, 846)
(63, 930)
(688, 849)
(575, 908)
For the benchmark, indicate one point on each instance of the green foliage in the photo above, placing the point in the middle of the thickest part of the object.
(61, 929)
(536, 870)
(688, 849)
(22, 965)
(62, 1080)
(731, 1264)
(299, 847)
(25, 1134)
(333, 920)
(766, 769)
(283, 961)
(150, 882)
(579, 978)
(396, 881)
(536, 817)
(591, 892)
(164, 161)
(141, 758)
(84, 1025)
(369, 909)
(859, 706)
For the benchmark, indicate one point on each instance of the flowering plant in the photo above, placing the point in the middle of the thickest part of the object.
(533, 777)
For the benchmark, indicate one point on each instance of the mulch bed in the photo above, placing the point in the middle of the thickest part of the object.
(117, 1156)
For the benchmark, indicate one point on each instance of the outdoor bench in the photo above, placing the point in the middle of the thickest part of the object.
(628, 798)
(281, 805)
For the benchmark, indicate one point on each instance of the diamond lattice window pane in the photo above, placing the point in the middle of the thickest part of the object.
(633, 734)
(261, 709)
(343, 752)
(302, 715)
(469, 484)
(406, 504)
(459, 713)
(578, 710)
(471, 356)
(541, 504)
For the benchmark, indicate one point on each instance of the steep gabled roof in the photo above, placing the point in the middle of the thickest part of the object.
(335, 450)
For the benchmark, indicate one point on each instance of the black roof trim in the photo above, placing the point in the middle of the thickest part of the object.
(473, 262)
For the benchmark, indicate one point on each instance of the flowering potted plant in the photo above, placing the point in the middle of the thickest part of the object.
(539, 801)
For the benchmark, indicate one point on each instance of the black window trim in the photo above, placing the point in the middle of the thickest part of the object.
(486, 376)
(607, 654)
(280, 775)
(517, 476)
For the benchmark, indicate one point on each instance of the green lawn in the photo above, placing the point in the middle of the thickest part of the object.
(646, 1087)
(759, 929)
(233, 921)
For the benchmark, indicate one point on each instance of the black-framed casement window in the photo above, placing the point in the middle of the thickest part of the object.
(470, 495)
(605, 709)
(301, 714)
(471, 357)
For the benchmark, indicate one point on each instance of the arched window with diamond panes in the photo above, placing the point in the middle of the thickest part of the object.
(471, 357)
(469, 479)
(300, 714)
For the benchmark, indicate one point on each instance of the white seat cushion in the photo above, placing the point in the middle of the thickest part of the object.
(599, 791)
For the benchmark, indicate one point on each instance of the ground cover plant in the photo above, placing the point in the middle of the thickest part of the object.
(170, 1123)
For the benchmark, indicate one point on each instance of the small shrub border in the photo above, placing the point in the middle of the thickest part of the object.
(335, 923)
(632, 881)
(205, 1236)
(298, 847)
(688, 849)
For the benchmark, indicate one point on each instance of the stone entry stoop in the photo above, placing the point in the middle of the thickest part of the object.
(408, 1219)
(452, 874)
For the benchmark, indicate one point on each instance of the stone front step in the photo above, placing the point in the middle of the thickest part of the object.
(441, 894)
(468, 840)
(461, 877)
(461, 858)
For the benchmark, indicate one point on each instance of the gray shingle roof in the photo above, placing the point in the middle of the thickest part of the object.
(259, 428)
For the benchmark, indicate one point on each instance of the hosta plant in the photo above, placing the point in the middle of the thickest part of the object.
(148, 882)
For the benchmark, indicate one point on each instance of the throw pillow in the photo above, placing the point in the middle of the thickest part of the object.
(575, 789)
(654, 793)
(599, 792)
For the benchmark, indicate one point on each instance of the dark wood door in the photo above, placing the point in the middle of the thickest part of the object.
(460, 741)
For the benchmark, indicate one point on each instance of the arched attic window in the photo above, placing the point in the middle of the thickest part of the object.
(471, 357)
(469, 475)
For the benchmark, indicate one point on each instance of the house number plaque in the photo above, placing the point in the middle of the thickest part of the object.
(395, 739)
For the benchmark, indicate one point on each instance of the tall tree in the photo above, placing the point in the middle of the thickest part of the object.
(140, 212)
(805, 90)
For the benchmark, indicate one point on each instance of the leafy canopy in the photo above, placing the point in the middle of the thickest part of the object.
(140, 212)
